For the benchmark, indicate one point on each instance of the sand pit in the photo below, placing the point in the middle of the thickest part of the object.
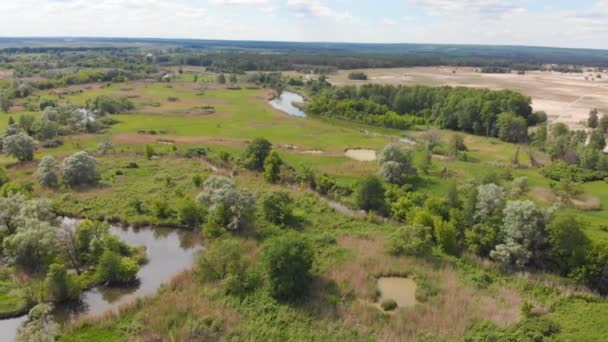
(401, 290)
(361, 154)
(313, 152)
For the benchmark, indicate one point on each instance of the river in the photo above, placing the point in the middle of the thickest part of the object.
(286, 102)
(169, 251)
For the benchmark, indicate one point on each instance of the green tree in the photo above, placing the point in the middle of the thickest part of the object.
(277, 207)
(369, 194)
(287, 261)
(33, 245)
(593, 120)
(47, 172)
(603, 124)
(481, 239)
(228, 207)
(20, 146)
(116, 269)
(597, 140)
(256, 153)
(149, 150)
(568, 242)
(41, 327)
(411, 240)
(445, 234)
(189, 213)
(272, 167)
(61, 286)
(79, 169)
(512, 128)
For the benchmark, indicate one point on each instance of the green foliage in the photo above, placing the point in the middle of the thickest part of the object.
(228, 207)
(256, 153)
(115, 269)
(287, 261)
(361, 76)
(388, 305)
(272, 167)
(40, 326)
(61, 286)
(445, 234)
(277, 207)
(33, 245)
(568, 242)
(197, 180)
(79, 169)
(512, 128)
(369, 194)
(190, 213)
(225, 261)
(150, 152)
(470, 110)
(20, 146)
(481, 239)
(111, 105)
(47, 172)
(412, 240)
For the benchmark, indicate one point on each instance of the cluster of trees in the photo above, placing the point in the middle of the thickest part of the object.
(504, 114)
(34, 242)
(79, 169)
(577, 155)
(357, 75)
(484, 218)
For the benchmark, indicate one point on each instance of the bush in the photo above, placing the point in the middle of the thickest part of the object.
(115, 269)
(361, 76)
(272, 167)
(256, 154)
(197, 180)
(79, 169)
(388, 305)
(277, 207)
(149, 151)
(370, 194)
(189, 213)
(412, 240)
(61, 286)
(20, 146)
(287, 263)
(46, 174)
(228, 207)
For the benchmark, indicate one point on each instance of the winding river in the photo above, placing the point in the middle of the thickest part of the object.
(286, 102)
(168, 251)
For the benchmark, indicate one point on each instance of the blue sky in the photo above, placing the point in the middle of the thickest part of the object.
(574, 23)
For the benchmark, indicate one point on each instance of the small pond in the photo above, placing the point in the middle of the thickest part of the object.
(168, 251)
(286, 102)
(401, 290)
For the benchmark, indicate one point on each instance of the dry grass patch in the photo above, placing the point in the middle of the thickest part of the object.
(450, 313)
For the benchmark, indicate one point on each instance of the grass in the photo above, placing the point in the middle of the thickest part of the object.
(350, 252)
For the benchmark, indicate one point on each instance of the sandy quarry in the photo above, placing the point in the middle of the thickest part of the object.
(565, 97)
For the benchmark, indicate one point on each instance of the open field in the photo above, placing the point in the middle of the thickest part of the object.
(565, 97)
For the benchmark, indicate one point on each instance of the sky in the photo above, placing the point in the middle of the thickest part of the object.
(563, 23)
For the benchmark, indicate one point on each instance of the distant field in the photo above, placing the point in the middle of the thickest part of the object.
(565, 97)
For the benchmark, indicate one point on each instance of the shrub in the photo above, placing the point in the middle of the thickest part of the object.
(149, 151)
(277, 207)
(228, 206)
(272, 167)
(115, 269)
(256, 154)
(79, 169)
(46, 174)
(61, 286)
(20, 146)
(412, 240)
(197, 180)
(189, 213)
(481, 239)
(287, 262)
(388, 305)
(370, 194)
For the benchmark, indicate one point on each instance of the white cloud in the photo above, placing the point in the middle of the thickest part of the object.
(315, 8)
(458, 7)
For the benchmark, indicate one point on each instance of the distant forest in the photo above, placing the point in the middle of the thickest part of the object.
(241, 56)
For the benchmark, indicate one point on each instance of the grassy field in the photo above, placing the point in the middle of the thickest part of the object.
(455, 295)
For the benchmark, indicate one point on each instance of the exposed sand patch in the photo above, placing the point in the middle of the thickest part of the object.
(401, 290)
(583, 202)
(313, 152)
(361, 154)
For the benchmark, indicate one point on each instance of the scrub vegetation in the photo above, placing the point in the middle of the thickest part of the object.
(496, 215)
